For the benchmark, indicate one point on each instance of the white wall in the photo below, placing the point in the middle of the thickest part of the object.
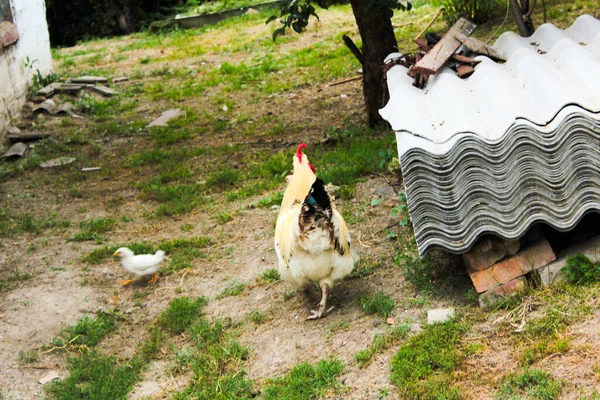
(34, 42)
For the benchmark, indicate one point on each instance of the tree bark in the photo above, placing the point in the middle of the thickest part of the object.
(519, 11)
(377, 34)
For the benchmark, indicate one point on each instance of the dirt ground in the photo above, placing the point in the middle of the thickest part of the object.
(63, 288)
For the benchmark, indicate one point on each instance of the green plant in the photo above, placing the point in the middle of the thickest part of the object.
(581, 270)
(271, 275)
(28, 357)
(530, 384)
(423, 365)
(86, 332)
(91, 230)
(305, 381)
(235, 288)
(380, 343)
(181, 313)
(478, 11)
(380, 304)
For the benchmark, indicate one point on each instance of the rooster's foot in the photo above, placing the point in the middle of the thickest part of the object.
(154, 278)
(126, 282)
(321, 313)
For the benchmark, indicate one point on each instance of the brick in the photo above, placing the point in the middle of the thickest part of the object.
(501, 292)
(534, 257)
(484, 254)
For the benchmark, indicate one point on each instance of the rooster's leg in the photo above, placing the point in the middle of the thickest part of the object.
(126, 282)
(323, 310)
(154, 278)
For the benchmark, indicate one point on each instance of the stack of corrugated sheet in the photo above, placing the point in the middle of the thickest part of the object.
(514, 144)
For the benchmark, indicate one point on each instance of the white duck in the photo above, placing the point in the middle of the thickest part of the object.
(141, 265)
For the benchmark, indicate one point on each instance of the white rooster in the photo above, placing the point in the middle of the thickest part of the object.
(311, 238)
(140, 265)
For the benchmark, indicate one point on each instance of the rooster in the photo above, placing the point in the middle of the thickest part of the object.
(311, 238)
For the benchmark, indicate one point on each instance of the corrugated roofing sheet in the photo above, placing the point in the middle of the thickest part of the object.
(514, 144)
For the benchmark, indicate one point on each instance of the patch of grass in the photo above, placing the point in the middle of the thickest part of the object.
(181, 313)
(235, 288)
(225, 178)
(423, 366)
(271, 200)
(271, 275)
(381, 342)
(257, 317)
(580, 270)
(305, 381)
(379, 303)
(91, 230)
(215, 361)
(529, 384)
(289, 294)
(86, 332)
(94, 376)
(28, 357)
(11, 225)
(223, 217)
(364, 269)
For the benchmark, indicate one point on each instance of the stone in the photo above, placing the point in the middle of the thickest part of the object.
(14, 130)
(8, 34)
(415, 328)
(16, 150)
(165, 117)
(499, 293)
(57, 162)
(49, 377)
(440, 315)
(532, 258)
(386, 192)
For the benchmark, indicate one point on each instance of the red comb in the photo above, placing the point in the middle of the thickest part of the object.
(299, 151)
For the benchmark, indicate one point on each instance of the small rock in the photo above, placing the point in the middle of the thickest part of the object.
(390, 321)
(165, 117)
(440, 315)
(275, 207)
(376, 322)
(415, 328)
(14, 130)
(386, 192)
(90, 169)
(57, 162)
(225, 108)
(343, 96)
(50, 376)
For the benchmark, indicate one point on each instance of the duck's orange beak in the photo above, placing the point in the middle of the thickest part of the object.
(116, 253)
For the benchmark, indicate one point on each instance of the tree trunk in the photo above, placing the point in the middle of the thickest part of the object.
(377, 34)
(520, 14)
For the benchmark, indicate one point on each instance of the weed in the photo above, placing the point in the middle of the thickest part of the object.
(581, 270)
(380, 343)
(271, 275)
(181, 313)
(224, 178)
(223, 217)
(423, 365)
(305, 381)
(364, 269)
(257, 317)
(235, 288)
(530, 384)
(380, 304)
(91, 230)
(271, 200)
(28, 357)
(86, 332)
(289, 294)
(28, 223)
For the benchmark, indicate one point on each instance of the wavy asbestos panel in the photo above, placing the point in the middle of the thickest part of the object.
(549, 175)
(532, 85)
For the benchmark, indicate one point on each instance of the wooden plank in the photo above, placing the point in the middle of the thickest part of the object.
(479, 47)
(443, 50)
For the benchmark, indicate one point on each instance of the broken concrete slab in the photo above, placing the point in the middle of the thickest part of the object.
(90, 169)
(48, 91)
(16, 150)
(67, 109)
(57, 162)
(440, 315)
(88, 79)
(46, 107)
(27, 137)
(165, 117)
(103, 90)
(49, 377)
(121, 79)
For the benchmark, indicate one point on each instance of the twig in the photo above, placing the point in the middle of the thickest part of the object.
(38, 367)
(430, 23)
(354, 49)
(354, 78)
(174, 287)
(272, 284)
(60, 347)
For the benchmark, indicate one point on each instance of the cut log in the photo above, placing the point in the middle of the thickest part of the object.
(443, 50)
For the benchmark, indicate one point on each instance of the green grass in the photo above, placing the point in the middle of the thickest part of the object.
(364, 269)
(257, 317)
(423, 366)
(223, 217)
(86, 332)
(379, 303)
(28, 357)
(92, 230)
(16, 277)
(271, 275)
(11, 225)
(181, 313)
(235, 288)
(306, 381)
(581, 270)
(381, 342)
(531, 384)
(225, 178)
